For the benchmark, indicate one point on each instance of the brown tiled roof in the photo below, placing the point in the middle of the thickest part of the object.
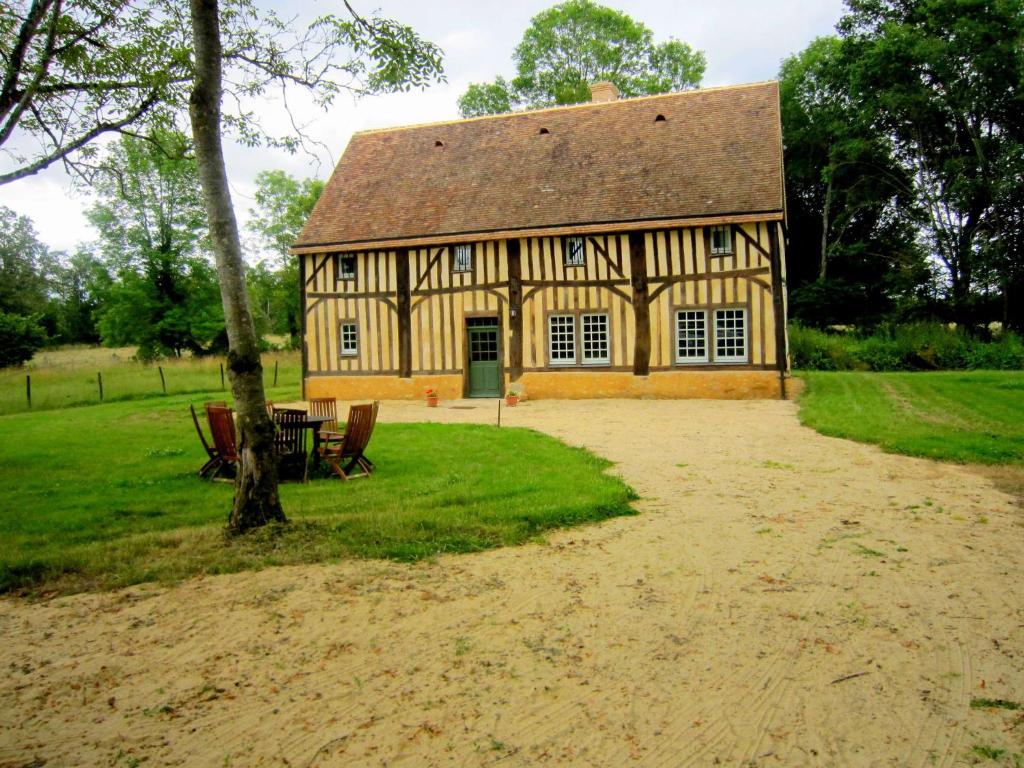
(717, 153)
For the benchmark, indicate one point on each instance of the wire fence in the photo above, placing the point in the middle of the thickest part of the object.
(62, 386)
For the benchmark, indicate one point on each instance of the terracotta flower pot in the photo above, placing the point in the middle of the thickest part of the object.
(432, 401)
(511, 400)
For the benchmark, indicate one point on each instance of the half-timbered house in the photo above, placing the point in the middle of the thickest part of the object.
(624, 247)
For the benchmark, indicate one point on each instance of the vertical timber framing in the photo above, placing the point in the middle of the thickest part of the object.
(302, 323)
(641, 308)
(778, 306)
(404, 314)
(515, 310)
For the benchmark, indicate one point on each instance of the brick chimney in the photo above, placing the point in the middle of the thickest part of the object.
(603, 91)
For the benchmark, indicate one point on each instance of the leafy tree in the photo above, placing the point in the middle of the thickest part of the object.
(20, 337)
(151, 220)
(578, 42)
(943, 79)
(852, 254)
(78, 285)
(26, 266)
(283, 206)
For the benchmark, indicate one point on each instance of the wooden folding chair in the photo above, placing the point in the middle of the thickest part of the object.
(348, 455)
(290, 440)
(213, 460)
(328, 407)
(222, 428)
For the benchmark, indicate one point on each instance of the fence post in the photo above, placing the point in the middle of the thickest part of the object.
(275, 373)
(99, 380)
(222, 376)
(28, 389)
(163, 382)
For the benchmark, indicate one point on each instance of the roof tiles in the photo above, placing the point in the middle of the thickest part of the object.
(717, 152)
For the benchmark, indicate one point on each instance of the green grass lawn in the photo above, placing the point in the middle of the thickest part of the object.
(105, 496)
(958, 416)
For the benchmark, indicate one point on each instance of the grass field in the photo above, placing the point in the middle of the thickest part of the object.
(104, 496)
(68, 377)
(954, 416)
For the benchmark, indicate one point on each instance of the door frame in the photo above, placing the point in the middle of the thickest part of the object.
(488, 313)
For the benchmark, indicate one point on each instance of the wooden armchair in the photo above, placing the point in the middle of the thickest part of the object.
(222, 429)
(290, 442)
(213, 460)
(348, 455)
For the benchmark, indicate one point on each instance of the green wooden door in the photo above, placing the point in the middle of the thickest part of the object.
(484, 369)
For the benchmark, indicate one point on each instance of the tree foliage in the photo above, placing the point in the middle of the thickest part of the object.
(576, 43)
(162, 295)
(283, 204)
(852, 220)
(943, 79)
(74, 71)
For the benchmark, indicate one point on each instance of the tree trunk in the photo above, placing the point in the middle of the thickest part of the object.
(256, 500)
(825, 213)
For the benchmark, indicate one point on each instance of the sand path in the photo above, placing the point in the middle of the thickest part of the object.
(768, 564)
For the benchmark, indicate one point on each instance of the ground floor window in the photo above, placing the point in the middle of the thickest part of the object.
(692, 336)
(729, 340)
(731, 335)
(349, 339)
(583, 338)
(562, 339)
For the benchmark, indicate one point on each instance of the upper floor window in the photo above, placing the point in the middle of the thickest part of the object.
(575, 253)
(721, 240)
(462, 258)
(346, 267)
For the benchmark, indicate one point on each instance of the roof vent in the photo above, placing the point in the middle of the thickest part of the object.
(659, 119)
(438, 143)
(543, 131)
(603, 91)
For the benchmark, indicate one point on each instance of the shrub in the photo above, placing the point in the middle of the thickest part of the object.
(20, 337)
(911, 347)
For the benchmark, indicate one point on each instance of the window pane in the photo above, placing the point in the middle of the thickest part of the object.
(721, 240)
(562, 339)
(595, 339)
(349, 339)
(463, 258)
(691, 336)
(575, 253)
(347, 267)
(731, 335)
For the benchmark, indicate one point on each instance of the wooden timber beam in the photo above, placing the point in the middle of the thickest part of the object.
(515, 310)
(404, 315)
(302, 321)
(778, 305)
(641, 305)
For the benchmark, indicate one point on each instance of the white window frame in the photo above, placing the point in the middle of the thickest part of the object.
(745, 338)
(462, 257)
(346, 349)
(693, 359)
(581, 344)
(343, 259)
(552, 361)
(727, 248)
(567, 256)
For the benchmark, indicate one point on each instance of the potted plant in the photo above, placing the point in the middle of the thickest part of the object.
(432, 397)
(512, 396)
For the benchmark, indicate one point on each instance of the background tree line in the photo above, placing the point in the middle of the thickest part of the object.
(904, 158)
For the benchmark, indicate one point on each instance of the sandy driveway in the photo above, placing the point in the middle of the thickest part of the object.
(783, 599)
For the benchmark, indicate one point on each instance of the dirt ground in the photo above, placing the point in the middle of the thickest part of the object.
(782, 599)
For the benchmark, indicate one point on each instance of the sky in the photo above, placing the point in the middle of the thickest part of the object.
(744, 41)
